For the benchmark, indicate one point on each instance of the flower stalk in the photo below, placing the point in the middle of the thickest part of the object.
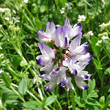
(73, 100)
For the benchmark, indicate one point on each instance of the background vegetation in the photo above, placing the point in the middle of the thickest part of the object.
(20, 86)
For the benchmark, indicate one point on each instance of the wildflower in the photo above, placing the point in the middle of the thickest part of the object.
(68, 57)
(1, 71)
(99, 42)
(105, 37)
(81, 18)
(7, 18)
(14, 11)
(49, 34)
(104, 25)
(47, 54)
(61, 37)
(90, 33)
(62, 10)
(73, 31)
(4, 10)
(76, 48)
(68, 5)
(26, 1)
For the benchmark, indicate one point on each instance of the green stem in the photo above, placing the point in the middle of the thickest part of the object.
(12, 72)
(18, 94)
(29, 94)
(58, 103)
(73, 100)
(68, 99)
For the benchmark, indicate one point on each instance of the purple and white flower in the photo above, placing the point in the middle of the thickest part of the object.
(84, 58)
(49, 34)
(56, 65)
(73, 31)
(76, 48)
(71, 63)
(56, 77)
(47, 54)
(61, 37)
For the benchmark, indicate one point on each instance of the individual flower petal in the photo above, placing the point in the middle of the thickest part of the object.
(49, 34)
(61, 39)
(76, 48)
(50, 29)
(50, 86)
(47, 68)
(73, 31)
(84, 58)
(80, 83)
(84, 75)
(69, 85)
(75, 42)
(67, 23)
(46, 51)
(72, 64)
(43, 60)
(47, 54)
(42, 36)
(80, 50)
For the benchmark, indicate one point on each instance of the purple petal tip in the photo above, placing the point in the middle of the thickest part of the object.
(86, 87)
(74, 71)
(85, 49)
(47, 89)
(43, 72)
(86, 76)
(63, 83)
(40, 62)
(80, 25)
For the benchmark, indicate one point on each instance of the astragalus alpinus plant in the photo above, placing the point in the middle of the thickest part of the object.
(67, 60)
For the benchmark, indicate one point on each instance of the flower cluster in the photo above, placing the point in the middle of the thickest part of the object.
(68, 56)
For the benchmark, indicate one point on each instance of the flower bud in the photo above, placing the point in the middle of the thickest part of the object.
(64, 56)
(59, 63)
(54, 50)
(69, 54)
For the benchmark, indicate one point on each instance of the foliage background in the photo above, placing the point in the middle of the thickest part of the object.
(20, 87)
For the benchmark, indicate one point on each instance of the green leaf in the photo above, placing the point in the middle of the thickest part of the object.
(79, 101)
(50, 99)
(97, 64)
(91, 86)
(102, 100)
(6, 79)
(107, 71)
(32, 104)
(106, 45)
(93, 94)
(38, 23)
(96, 49)
(81, 3)
(8, 94)
(16, 60)
(108, 100)
(84, 94)
(30, 27)
(91, 107)
(4, 98)
(23, 86)
(91, 101)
